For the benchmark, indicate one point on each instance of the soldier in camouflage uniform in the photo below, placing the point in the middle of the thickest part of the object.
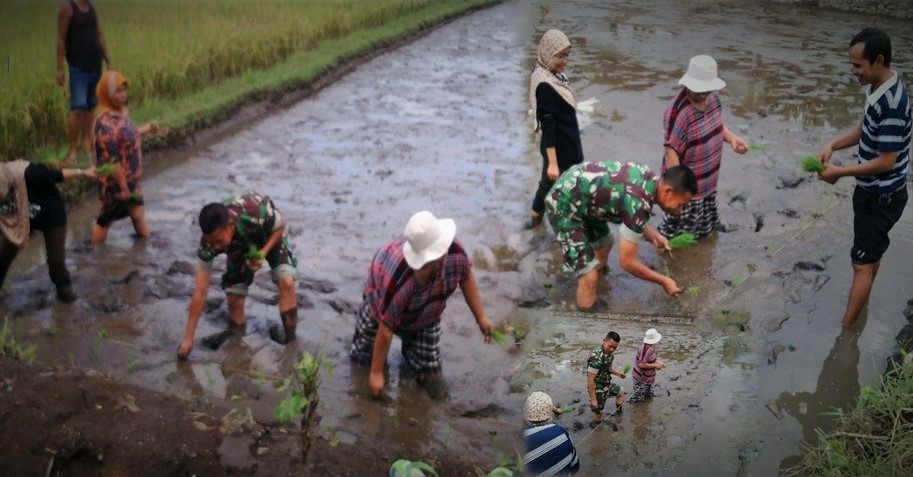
(599, 377)
(590, 195)
(248, 229)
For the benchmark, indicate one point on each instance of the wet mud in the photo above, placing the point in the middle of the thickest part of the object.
(441, 124)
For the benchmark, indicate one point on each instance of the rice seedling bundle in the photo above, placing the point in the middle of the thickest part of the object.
(567, 409)
(682, 240)
(106, 169)
(254, 254)
(136, 197)
(812, 164)
(755, 147)
(498, 337)
(627, 368)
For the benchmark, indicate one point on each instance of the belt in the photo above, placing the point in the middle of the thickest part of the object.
(885, 199)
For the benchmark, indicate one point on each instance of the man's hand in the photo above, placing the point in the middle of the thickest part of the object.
(672, 289)
(254, 265)
(552, 172)
(825, 154)
(830, 174)
(123, 195)
(61, 77)
(376, 383)
(594, 406)
(661, 243)
(184, 349)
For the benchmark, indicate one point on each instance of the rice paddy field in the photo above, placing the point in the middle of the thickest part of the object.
(188, 59)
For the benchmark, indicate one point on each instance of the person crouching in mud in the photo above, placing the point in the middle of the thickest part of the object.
(405, 294)
(248, 229)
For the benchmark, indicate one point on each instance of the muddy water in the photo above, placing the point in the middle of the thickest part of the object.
(440, 124)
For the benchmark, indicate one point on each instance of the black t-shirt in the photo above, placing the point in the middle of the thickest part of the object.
(560, 130)
(83, 49)
(41, 185)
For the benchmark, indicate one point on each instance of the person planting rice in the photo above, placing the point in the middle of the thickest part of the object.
(409, 282)
(882, 164)
(599, 377)
(118, 143)
(693, 135)
(234, 228)
(30, 201)
(590, 195)
(549, 448)
(645, 367)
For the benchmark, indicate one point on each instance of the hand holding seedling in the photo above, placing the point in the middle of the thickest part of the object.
(149, 128)
(739, 145)
(671, 287)
(254, 258)
(486, 327)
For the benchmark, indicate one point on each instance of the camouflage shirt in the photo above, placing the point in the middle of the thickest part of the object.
(600, 364)
(621, 193)
(256, 218)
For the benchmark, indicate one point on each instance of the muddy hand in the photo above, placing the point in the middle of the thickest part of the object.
(376, 383)
(672, 288)
(485, 326)
(184, 349)
(254, 265)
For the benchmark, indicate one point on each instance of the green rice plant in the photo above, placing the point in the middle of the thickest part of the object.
(301, 385)
(498, 337)
(501, 472)
(404, 468)
(12, 348)
(627, 369)
(254, 254)
(693, 291)
(755, 147)
(682, 240)
(136, 197)
(106, 169)
(567, 409)
(812, 164)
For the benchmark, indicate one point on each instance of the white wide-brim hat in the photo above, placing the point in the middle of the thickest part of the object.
(539, 407)
(427, 238)
(652, 336)
(701, 76)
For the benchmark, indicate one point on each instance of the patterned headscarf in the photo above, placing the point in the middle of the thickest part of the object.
(552, 42)
(539, 407)
(14, 221)
(107, 86)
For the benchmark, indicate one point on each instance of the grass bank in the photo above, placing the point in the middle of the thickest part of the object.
(190, 63)
(873, 438)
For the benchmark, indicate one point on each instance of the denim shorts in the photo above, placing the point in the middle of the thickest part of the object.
(82, 89)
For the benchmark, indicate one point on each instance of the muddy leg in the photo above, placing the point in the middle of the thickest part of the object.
(99, 234)
(288, 306)
(586, 289)
(236, 309)
(863, 277)
(138, 216)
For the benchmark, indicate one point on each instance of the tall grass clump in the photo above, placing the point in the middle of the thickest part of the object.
(167, 49)
(11, 348)
(873, 438)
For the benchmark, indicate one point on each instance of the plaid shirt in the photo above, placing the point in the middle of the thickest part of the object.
(697, 137)
(395, 298)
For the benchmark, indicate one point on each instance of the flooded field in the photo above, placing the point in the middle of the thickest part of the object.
(440, 124)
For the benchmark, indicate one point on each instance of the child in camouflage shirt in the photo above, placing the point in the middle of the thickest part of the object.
(248, 229)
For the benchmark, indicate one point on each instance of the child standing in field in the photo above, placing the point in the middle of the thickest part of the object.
(645, 366)
(599, 377)
(118, 142)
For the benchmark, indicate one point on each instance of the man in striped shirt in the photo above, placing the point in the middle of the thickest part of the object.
(549, 448)
(883, 157)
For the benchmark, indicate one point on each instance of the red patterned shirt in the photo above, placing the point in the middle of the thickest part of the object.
(395, 298)
(697, 137)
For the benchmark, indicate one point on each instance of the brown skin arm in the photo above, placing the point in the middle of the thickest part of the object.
(88, 173)
(627, 258)
(847, 139)
(379, 358)
(553, 172)
(63, 25)
(194, 311)
(883, 163)
(671, 158)
(656, 365)
(470, 288)
(591, 388)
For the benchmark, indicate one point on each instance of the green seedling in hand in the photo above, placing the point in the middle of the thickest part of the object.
(567, 409)
(254, 254)
(105, 170)
(136, 197)
(812, 164)
(498, 337)
(692, 291)
(627, 368)
(755, 147)
(682, 240)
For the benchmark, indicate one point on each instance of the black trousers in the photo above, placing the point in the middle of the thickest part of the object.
(55, 241)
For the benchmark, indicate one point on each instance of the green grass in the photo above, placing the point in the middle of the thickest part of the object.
(106, 169)
(873, 438)
(191, 62)
(12, 348)
(811, 164)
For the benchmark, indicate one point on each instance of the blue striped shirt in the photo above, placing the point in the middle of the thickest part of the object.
(549, 451)
(886, 127)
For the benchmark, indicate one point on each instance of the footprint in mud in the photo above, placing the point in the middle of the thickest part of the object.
(341, 306)
(790, 182)
(319, 286)
(126, 279)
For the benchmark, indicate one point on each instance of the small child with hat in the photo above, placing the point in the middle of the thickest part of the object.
(645, 366)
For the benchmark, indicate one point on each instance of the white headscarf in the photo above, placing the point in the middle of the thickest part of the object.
(15, 224)
(552, 42)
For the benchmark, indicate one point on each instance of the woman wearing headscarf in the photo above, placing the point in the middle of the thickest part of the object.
(30, 201)
(553, 103)
(118, 142)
